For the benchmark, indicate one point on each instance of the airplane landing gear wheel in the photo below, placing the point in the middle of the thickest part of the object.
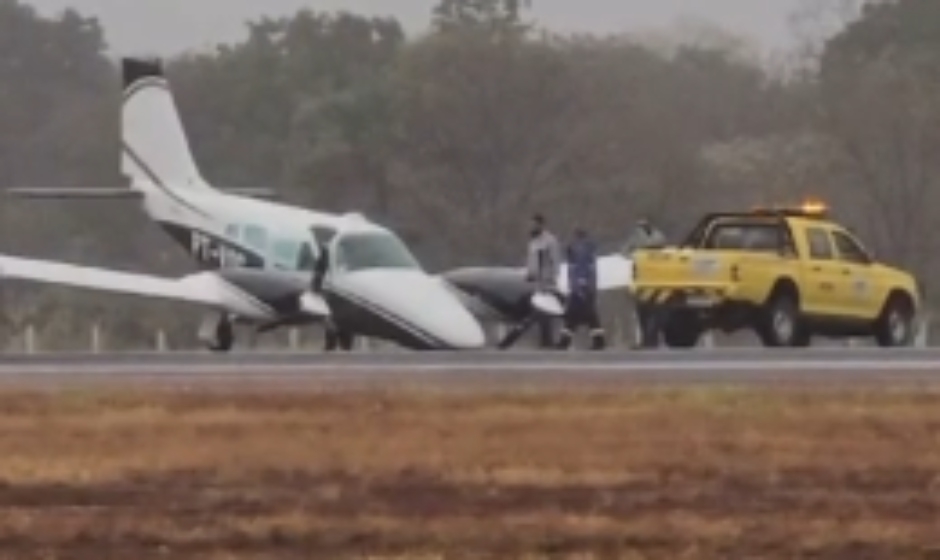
(346, 341)
(224, 337)
(340, 340)
(218, 333)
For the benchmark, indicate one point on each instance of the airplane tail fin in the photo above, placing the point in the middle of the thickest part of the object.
(154, 147)
(155, 152)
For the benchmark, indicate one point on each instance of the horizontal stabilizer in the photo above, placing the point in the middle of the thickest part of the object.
(116, 193)
(107, 193)
(260, 192)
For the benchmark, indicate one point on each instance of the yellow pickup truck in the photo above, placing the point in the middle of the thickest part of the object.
(787, 274)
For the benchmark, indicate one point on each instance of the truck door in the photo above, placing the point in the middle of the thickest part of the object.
(858, 293)
(821, 274)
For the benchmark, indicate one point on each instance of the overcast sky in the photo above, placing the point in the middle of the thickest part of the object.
(170, 26)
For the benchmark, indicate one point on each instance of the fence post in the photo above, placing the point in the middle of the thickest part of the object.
(499, 330)
(923, 332)
(294, 339)
(161, 340)
(96, 338)
(637, 328)
(30, 339)
(708, 340)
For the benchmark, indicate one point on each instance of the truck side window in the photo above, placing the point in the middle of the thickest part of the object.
(849, 250)
(820, 247)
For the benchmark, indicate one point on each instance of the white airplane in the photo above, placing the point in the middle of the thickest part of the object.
(258, 256)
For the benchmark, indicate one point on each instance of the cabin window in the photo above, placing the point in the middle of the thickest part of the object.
(285, 253)
(256, 237)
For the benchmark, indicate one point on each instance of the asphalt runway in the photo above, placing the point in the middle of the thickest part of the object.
(487, 369)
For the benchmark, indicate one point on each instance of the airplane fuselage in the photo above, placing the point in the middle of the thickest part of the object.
(373, 286)
(360, 303)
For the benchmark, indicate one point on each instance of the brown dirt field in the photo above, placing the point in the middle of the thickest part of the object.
(634, 474)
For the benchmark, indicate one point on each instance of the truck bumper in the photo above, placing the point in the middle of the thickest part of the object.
(713, 308)
(685, 297)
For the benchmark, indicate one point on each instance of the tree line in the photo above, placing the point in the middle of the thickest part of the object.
(455, 137)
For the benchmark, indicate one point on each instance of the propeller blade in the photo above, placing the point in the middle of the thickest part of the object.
(547, 303)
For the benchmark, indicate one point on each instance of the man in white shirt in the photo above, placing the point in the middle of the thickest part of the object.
(543, 265)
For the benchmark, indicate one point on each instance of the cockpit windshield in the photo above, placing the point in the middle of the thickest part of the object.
(358, 251)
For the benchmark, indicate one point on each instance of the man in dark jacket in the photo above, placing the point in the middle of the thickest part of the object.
(581, 306)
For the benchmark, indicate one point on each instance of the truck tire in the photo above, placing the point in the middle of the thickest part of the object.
(648, 325)
(895, 325)
(779, 324)
(682, 331)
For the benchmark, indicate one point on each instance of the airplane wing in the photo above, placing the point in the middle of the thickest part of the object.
(204, 288)
(613, 272)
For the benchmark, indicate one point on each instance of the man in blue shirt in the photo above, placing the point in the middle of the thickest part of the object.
(581, 306)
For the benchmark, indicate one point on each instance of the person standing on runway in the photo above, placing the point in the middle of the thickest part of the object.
(646, 236)
(543, 264)
(581, 306)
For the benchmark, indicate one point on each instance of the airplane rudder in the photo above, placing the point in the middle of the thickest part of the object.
(154, 140)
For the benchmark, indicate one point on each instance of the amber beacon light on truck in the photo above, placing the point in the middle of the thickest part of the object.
(809, 208)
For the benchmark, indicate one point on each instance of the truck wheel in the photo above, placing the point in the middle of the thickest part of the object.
(895, 326)
(780, 325)
(648, 325)
(682, 331)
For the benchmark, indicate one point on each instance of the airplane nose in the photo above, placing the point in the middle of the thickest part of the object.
(421, 304)
(456, 326)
